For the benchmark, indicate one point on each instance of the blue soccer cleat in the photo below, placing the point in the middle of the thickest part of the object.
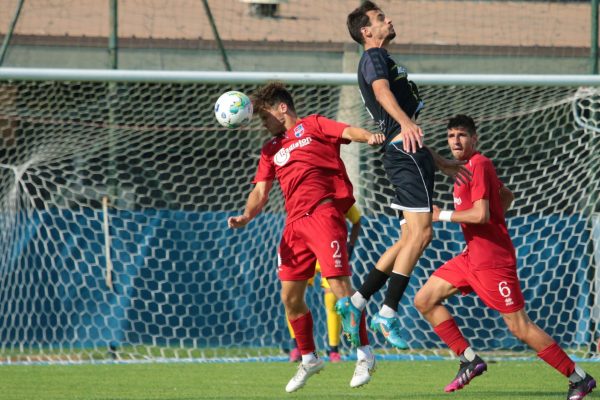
(350, 319)
(390, 329)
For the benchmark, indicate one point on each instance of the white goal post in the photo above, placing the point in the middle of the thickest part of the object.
(239, 77)
(115, 187)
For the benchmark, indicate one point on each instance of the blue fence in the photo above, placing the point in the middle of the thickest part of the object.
(184, 279)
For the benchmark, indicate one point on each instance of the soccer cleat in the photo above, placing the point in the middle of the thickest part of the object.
(334, 357)
(390, 329)
(304, 372)
(350, 319)
(362, 372)
(295, 355)
(582, 388)
(466, 372)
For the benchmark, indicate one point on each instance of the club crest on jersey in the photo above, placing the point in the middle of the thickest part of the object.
(402, 72)
(299, 131)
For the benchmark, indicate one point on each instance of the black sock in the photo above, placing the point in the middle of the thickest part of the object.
(375, 281)
(333, 349)
(396, 288)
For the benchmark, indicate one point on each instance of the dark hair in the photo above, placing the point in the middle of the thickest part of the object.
(463, 121)
(270, 95)
(358, 19)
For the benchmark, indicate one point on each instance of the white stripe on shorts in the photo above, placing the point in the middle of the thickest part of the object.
(410, 209)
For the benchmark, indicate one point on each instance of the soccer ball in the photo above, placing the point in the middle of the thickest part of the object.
(233, 109)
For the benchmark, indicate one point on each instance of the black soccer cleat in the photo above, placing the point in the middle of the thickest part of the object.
(466, 372)
(578, 390)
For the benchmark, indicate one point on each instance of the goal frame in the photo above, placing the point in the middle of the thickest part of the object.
(336, 79)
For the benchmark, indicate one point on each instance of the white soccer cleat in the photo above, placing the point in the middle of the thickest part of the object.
(363, 371)
(304, 372)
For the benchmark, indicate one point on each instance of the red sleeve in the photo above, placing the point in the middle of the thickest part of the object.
(483, 180)
(331, 130)
(266, 168)
(499, 183)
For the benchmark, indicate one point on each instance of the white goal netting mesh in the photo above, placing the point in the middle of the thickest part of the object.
(114, 198)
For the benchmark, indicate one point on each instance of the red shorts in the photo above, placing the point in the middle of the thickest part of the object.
(319, 236)
(498, 287)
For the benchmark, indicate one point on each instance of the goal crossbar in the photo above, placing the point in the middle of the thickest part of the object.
(106, 75)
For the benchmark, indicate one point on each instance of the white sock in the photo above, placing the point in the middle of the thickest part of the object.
(309, 358)
(358, 300)
(387, 312)
(364, 353)
(468, 355)
(577, 375)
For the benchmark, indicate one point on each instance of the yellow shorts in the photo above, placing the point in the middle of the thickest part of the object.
(324, 283)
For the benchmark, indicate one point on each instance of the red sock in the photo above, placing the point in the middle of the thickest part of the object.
(558, 359)
(303, 329)
(362, 331)
(448, 331)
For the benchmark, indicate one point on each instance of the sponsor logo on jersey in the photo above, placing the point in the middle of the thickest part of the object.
(283, 155)
(299, 131)
(457, 201)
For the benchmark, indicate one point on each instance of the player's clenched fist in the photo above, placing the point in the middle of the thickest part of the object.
(237, 222)
(376, 138)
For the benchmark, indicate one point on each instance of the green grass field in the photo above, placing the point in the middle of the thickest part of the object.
(393, 380)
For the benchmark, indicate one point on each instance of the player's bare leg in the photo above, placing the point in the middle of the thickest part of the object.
(527, 331)
(365, 364)
(416, 238)
(379, 275)
(429, 298)
(292, 295)
(580, 383)
(387, 260)
(428, 301)
(417, 235)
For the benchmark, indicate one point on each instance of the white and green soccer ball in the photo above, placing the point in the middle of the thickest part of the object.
(233, 109)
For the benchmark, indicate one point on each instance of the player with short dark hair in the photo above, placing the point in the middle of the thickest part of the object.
(487, 267)
(394, 103)
(303, 155)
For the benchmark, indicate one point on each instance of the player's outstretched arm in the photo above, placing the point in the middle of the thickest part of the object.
(412, 135)
(455, 169)
(257, 199)
(357, 134)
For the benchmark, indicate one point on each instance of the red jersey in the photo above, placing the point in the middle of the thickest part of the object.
(305, 159)
(344, 191)
(488, 245)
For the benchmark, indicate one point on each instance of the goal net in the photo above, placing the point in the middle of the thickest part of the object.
(114, 198)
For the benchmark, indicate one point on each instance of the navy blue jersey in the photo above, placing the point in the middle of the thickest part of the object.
(376, 64)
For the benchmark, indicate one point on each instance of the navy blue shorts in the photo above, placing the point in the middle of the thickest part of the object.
(412, 175)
